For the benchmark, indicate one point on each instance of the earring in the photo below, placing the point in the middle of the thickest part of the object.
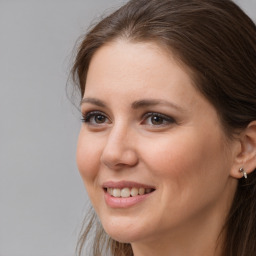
(244, 172)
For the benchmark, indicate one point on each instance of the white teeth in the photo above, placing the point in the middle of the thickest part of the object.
(141, 191)
(134, 192)
(116, 192)
(127, 192)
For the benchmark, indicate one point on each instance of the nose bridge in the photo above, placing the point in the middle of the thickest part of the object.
(120, 128)
(119, 149)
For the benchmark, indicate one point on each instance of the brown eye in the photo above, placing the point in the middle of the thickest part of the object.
(95, 118)
(157, 120)
(99, 119)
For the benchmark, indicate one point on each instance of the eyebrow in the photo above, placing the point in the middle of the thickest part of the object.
(93, 101)
(153, 102)
(136, 104)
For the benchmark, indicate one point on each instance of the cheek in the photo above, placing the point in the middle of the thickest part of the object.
(87, 157)
(186, 156)
(189, 173)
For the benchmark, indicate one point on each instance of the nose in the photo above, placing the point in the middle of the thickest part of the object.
(119, 151)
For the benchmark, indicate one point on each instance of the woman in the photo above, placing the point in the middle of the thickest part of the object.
(167, 150)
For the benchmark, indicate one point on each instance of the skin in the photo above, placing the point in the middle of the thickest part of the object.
(186, 157)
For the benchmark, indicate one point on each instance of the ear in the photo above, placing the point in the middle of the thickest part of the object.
(245, 157)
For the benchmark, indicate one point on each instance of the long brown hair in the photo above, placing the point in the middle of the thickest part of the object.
(216, 40)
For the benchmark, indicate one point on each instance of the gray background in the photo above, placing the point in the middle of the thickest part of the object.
(42, 198)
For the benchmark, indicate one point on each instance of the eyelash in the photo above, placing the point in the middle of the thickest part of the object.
(167, 120)
(87, 117)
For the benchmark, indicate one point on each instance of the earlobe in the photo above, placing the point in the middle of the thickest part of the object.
(245, 159)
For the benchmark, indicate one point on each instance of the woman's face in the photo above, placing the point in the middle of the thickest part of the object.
(151, 152)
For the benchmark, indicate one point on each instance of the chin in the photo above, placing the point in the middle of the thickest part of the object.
(123, 232)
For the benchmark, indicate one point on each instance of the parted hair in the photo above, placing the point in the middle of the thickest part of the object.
(216, 41)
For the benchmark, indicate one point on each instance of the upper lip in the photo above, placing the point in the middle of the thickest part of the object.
(125, 184)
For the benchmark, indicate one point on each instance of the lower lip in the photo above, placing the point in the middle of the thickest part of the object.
(124, 202)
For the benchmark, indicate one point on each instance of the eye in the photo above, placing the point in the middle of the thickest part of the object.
(95, 118)
(157, 119)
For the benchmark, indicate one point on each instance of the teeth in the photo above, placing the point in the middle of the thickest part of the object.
(127, 192)
(141, 191)
(110, 191)
(148, 190)
(116, 192)
(134, 192)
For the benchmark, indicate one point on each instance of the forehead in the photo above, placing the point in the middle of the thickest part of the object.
(130, 67)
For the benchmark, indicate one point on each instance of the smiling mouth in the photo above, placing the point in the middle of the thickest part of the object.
(127, 192)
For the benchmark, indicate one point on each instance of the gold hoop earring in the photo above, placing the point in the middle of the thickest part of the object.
(244, 172)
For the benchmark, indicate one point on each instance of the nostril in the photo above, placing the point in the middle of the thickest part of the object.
(119, 159)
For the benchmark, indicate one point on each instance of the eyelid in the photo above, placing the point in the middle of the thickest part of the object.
(89, 114)
(167, 119)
